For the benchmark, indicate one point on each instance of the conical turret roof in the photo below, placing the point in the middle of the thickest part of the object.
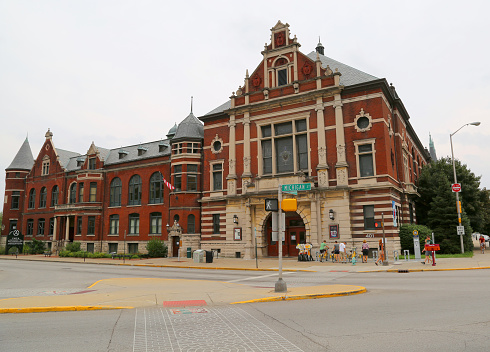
(24, 159)
(190, 127)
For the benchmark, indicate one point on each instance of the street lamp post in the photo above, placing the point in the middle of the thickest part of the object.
(456, 180)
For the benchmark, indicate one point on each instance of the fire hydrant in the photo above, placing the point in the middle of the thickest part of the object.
(354, 261)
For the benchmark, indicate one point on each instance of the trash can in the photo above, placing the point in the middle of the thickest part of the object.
(189, 252)
(209, 256)
(199, 256)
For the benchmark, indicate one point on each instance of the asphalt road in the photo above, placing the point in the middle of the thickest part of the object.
(428, 311)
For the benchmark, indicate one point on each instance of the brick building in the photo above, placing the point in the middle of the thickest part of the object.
(296, 119)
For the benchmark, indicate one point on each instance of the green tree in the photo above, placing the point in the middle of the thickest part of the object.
(436, 207)
(1, 219)
(156, 248)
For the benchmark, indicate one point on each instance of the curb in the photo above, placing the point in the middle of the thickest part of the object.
(57, 309)
(298, 297)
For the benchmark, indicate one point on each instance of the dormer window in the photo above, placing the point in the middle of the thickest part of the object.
(162, 146)
(142, 150)
(122, 154)
(80, 162)
(91, 163)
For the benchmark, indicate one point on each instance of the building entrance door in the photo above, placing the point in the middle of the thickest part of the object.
(295, 234)
(175, 246)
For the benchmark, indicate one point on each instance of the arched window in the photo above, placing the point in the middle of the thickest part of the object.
(54, 196)
(191, 224)
(73, 193)
(32, 199)
(42, 197)
(134, 190)
(156, 188)
(176, 218)
(115, 192)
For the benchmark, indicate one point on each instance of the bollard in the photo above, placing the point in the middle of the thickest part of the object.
(406, 254)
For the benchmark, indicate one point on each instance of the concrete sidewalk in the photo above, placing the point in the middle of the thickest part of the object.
(134, 292)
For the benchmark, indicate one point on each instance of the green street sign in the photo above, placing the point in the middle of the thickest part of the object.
(296, 187)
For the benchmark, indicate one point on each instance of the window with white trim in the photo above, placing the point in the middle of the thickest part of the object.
(365, 155)
(134, 224)
(114, 224)
(155, 223)
(217, 176)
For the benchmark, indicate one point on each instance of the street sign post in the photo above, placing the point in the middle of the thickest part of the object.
(456, 187)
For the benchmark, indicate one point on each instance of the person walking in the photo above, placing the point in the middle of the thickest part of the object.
(365, 251)
(428, 254)
(482, 244)
(381, 253)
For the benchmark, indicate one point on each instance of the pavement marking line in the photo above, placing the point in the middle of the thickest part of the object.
(256, 277)
(306, 296)
(58, 309)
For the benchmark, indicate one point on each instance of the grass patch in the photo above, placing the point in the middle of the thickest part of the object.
(456, 255)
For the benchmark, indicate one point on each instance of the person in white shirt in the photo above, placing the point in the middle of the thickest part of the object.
(342, 251)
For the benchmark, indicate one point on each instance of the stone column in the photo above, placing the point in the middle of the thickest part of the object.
(232, 177)
(67, 229)
(322, 168)
(341, 166)
(247, 232)
(247, 160)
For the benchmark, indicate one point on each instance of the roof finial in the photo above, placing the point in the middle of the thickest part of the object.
(191, 103)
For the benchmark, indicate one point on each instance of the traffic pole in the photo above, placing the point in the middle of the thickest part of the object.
(385, 261)
(280, 284)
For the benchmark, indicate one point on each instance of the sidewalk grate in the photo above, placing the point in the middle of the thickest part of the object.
(190, 303)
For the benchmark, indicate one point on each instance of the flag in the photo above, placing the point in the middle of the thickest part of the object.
(168, 184)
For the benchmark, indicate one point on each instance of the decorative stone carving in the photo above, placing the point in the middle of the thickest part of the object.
(296, 87)
(342, 176)
(322, 178)
(341, 151)
(322, 152)
(217, 145)
(266, 94)
(246, 161)
(328, 71)
(363, 121)
(231, 187)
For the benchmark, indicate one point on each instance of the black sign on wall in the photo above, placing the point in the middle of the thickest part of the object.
(14, 239)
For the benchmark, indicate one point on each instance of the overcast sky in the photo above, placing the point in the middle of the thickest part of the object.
(122, 72)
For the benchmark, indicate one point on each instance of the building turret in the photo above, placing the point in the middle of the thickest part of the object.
(23, 159)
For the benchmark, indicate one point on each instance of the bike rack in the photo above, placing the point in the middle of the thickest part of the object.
(406, 254)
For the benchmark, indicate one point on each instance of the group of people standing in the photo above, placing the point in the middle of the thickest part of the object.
(340, 251)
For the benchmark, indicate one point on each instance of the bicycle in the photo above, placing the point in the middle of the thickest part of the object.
(324, 256)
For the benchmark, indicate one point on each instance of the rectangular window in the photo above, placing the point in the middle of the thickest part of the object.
(217, 177)
(282, 77)
(40, 227)
(79, 225)
(93, 192)
(284, 154)
(368, 217)
(284, 147)
(156, 223)
(365, 155)
(51, 226)
(91, 163)
(30, 227)
(91, 225)
(132, 248)
(216, 226)
(178, 177)
(45, 170)
(12, 225)
(80, 192)
(134, 224)
(114, 224)
(15, 200)
(267, 156)
(112, 247)
(192, 177)
(90, 247)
